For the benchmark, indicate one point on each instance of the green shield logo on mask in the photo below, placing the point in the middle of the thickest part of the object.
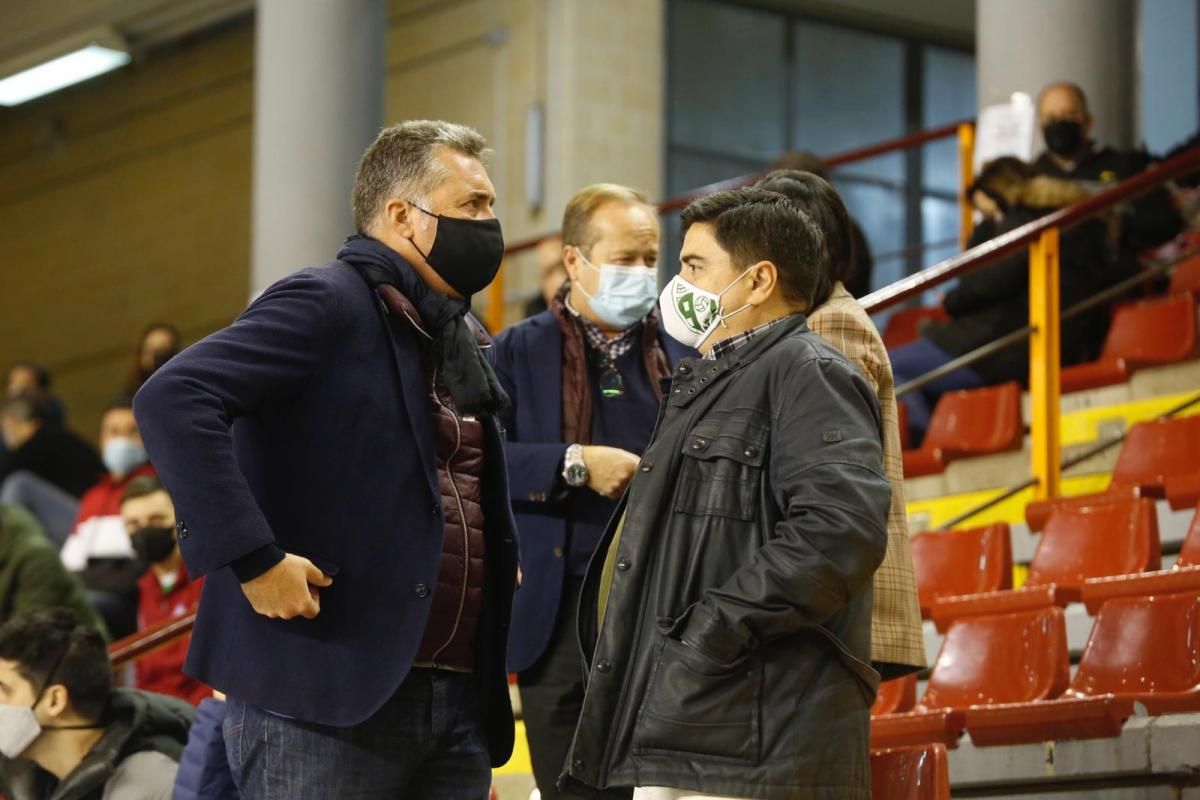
(696, 312)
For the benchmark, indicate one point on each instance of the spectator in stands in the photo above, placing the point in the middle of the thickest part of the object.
(994, 300)
(159, 344)
(98, 547)
(66, 733)
(28, 378)
(857, 276)
(165, 592)
(367, 504)
(584, 380)
(897, 639)
(45, 468)
(32, 577)
(552, 274)
(1150, 220)
(728, 625)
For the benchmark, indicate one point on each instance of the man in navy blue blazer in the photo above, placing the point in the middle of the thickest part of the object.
(584, 379)
(337, 464)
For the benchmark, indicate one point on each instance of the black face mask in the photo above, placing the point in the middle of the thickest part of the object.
(153, 544)
(1064, 137)
(466, 252)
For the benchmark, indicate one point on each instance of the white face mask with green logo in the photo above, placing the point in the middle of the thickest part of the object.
(691, 314)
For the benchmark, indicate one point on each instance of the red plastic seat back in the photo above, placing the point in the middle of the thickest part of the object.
(1142, 645)
(1155, 332)
(1154, 450)
(1189, 554)
(977, 421)
(904, 326)
(895, 696)
(962, 562)
(911, 773)
(1005, 658)
(1096, 541)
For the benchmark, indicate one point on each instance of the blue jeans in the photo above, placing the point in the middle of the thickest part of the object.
(913, 360)
(53, 507)
(426, 743)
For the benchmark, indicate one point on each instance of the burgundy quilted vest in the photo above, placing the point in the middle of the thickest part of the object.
(449, 636)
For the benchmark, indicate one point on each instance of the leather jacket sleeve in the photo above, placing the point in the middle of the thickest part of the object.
(825, 475)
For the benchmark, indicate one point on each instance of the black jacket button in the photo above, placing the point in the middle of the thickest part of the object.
(181, 529)
(422, 590)
(604, 666)
(624, 563)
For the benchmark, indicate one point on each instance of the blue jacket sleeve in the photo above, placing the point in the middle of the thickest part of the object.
(185, 413)
(533, 467)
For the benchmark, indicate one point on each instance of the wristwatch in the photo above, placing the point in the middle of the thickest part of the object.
(575, 472)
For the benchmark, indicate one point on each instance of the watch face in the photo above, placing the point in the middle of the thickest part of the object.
(577, 475)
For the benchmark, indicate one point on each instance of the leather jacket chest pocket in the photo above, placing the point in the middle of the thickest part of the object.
(722, 469)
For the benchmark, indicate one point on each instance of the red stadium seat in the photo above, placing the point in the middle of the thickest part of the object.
(1142, 649)
(1113, 538)
(910, 773)
(1141, 335)
(1186, 277)
(1006, 658)
(895, 696)
(961, 562)
(969, 423)
(904, 326)
(1157, 459)
(1185, 577)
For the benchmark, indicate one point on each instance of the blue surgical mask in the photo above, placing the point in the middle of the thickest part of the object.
(122, 455)
(625, 295)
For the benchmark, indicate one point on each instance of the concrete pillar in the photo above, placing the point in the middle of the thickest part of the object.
(318, 99)
(1022, 45)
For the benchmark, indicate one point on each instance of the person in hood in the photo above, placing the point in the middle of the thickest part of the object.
(726, 618)
(1072, 153)
(993, 300)
(337, 467)
(585, 383)
(98, 547)
(165, 591)
(66, 733)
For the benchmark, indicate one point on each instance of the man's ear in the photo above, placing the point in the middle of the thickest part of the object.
(764, 277)
(55, 700)
(572, 263)
(398, 215)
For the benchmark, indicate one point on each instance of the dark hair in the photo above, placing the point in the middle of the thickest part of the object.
(122, 402)
(757, 225)
(142, 486)
(821, 201)
(25, 407)
(139, 374)
(800, 161)
(41, 375)
(51, 648)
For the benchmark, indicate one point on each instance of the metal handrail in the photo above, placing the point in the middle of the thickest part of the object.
(136, 645)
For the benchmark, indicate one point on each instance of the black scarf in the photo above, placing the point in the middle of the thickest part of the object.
(465, 372)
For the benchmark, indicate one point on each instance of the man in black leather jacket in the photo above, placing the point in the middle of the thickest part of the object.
(726, 616)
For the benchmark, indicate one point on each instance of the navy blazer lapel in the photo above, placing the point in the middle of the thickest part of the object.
(543, 370)
(406, 356)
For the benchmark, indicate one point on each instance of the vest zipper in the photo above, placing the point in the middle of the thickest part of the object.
(462, 516)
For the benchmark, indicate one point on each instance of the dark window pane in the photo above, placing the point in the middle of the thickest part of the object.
(949, 93)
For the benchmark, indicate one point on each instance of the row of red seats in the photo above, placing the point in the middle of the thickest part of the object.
(983, 421)
(1004, 678)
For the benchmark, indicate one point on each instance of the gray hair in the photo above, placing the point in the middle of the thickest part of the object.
(402, 162)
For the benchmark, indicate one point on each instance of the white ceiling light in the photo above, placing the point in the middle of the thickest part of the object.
(61, 65)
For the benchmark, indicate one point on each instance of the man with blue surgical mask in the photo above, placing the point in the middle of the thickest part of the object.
(584, 380)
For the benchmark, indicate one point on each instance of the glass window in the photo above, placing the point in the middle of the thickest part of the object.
(948, 95)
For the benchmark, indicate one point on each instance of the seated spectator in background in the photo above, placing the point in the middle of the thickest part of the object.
(32, 577)
(66, 733)
(552, 274)
(165, 592)
(159, 344)
(897, 639)
(994, 300)
(99, 547)
(45, 468)
(857, 276)
(1148, 221)
(26, 377)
